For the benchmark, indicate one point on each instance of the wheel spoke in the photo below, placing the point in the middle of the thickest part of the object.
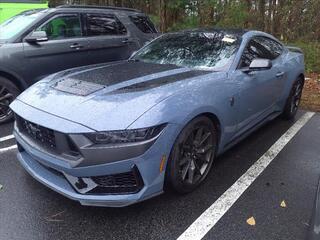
(8, 95)
(184, 161)
(198, 168)
(204, 138)
(191, 172)
(205, 149)
(203, 168)
(4, 109)
(198, 136)
(185, 171)
(2, 88)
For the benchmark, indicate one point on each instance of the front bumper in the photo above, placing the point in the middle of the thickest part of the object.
(62, 186)
(51, 170)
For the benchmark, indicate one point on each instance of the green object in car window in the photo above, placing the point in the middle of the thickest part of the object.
(62, 27)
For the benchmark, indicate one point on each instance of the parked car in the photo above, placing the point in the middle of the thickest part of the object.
(37, 43)
(119, 133)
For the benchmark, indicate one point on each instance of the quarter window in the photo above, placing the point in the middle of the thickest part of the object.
(143, 23)
(274, 47)
(98, 24)
(260, 47)
(62, 27)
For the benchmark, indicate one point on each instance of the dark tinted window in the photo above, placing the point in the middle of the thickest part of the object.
(260, 47)
(274, 47)
(102, 24)
(62, 27)
(143, 23)
(204, 50)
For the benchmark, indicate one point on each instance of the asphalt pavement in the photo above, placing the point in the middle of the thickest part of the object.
(29, 210)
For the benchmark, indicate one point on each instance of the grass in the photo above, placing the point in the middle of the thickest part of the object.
(311, 52)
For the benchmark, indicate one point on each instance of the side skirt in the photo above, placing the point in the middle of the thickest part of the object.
(238, 139)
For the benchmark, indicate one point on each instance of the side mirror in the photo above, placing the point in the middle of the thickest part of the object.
(259, 64)
(37, 36)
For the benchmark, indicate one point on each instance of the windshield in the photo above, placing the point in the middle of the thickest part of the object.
(18, 23)
(205, 50)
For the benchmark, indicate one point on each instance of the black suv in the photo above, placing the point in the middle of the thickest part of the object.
(37, 43)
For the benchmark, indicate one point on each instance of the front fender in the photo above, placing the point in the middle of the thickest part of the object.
(183, 106)
(10, 74)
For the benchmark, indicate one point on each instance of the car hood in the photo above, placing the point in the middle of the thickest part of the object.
(107, 97)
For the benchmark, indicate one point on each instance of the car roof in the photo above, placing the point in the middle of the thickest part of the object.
(97, 8)
(232, 31)
(239, 33)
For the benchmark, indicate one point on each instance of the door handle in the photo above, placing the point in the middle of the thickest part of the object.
(279, 74)
(76, 46)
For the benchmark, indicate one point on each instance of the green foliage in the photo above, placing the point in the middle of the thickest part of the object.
(235, 16)
(187, 23)
(311, 52)
(155, 19)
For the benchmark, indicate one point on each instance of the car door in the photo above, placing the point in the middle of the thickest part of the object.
(108, 38)
(65, 48)
(259, 91)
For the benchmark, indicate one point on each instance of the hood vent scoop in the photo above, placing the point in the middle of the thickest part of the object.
(77, 87)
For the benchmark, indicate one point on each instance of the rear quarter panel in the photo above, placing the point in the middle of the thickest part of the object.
(294, 67)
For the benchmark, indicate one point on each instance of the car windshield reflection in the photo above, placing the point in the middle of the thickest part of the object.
(212, 51)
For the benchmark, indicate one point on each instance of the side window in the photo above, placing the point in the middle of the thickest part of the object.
(274, 47)
(103, 24)
(143, 23)
(256, 48)
(62, 27)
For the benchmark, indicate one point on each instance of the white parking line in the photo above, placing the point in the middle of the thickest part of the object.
(201, 226)
(2, 139)
(8, 148)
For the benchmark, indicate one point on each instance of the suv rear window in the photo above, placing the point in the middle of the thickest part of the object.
(143, 23)
(104, 24)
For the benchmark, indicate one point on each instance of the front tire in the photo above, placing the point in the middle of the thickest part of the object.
(8, 92)
(293, 101)
(192, 155)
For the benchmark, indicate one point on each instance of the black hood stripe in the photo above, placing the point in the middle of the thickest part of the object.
(142, 86)
(111, 75)
(114, 77)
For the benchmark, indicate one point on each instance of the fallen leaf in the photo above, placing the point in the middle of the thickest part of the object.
(283, 204)
(251, 221)
(54, 218)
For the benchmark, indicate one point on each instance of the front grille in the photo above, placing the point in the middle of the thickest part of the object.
(42, 135)
(128, 182)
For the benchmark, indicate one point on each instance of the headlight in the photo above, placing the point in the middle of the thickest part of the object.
(125, 136)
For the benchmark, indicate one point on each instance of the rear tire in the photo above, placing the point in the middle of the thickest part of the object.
(293, 101)
(8, 92)
(192, 155)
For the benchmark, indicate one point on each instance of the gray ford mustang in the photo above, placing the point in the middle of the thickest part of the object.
(119, 133)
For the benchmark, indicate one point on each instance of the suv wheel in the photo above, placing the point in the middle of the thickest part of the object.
(8, 92)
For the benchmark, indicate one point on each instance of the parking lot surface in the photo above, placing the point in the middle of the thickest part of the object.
(29, 210)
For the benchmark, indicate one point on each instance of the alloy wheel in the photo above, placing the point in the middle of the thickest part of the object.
(196, 153)
(6, 97)
(296, 96)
